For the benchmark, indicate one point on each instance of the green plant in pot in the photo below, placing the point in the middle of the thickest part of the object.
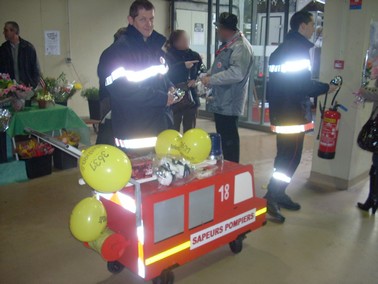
(97, 107)
(44, 98)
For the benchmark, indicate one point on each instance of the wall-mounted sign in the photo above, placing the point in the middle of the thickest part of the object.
(338, 64)
(199, 34)
(355, 4)
(52, 43)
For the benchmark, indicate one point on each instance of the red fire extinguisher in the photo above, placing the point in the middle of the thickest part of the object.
(329, 134)
(329, 126)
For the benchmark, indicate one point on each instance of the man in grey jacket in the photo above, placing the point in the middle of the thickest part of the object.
(229, 78)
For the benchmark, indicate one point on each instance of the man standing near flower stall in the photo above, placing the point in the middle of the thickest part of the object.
(18, 57)
(133, 70)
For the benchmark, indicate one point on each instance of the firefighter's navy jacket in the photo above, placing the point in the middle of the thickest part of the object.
(290, 86)
(133, 70)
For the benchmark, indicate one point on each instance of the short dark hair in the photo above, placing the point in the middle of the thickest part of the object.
(173, 38)
(14, 26)
(299, 18)
(139, 5)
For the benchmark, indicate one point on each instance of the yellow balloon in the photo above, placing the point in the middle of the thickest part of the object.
(195, 145)
(105, 168)
(88, 219)
(168, 143)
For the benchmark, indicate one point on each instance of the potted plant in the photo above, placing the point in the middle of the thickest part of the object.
(44, 98)
(62, 160)
(37, 156)
(97, 108)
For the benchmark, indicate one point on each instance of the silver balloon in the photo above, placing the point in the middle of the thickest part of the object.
(5, 117)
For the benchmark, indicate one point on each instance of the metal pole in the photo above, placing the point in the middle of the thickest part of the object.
(217, 6)
(265, 70)
(209, 30)
(286, 21)
(173, 16)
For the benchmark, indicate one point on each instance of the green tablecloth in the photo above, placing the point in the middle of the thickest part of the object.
(46, 120)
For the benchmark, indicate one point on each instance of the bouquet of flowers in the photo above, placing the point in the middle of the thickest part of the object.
(16, 93)
(32, 149)
(60, 88)
(5, 84)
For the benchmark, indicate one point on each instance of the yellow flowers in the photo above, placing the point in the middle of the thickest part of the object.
(78, 86)
(44, 96)
(70, 138)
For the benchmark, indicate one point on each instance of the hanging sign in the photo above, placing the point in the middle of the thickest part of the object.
(355, 4)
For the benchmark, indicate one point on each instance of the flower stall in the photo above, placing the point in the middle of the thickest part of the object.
(37, 156)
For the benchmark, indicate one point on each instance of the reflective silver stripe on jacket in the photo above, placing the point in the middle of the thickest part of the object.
(136, 76)
(139, 143)
(291, 66)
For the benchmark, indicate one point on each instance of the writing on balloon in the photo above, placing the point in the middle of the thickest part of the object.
(99, 160)
(85, 157)
(185, 149)
(102, 219)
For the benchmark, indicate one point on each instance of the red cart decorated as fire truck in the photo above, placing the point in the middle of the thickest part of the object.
(166, 227)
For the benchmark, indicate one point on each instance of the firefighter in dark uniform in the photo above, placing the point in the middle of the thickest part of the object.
(289, 90)
(133, 70)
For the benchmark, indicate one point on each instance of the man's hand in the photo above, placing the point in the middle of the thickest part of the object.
(332, 88)
(190, 64)
(206, 80)
(171, 96)
(191, 83)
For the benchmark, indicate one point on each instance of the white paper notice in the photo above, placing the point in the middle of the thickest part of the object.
(52, 42)
(199, 34)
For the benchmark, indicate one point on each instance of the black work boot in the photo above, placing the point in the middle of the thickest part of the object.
(284, 201)
(274, 209)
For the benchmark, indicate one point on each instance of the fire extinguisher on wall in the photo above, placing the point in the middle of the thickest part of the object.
(329, 125)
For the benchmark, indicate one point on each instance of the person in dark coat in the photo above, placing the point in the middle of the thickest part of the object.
(133, 70)
(370, 93)
(105, 131)
(289, 90)
(184, 67)
(18, 57)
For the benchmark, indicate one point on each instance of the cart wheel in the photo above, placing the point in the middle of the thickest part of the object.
(237, 245)
(115, 267)
(166, 277)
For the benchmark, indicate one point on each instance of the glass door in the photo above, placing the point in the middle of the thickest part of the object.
(263, 22)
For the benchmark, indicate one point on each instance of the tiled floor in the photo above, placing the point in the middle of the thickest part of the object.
(328, 241)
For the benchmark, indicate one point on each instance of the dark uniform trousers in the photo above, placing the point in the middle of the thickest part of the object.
(289, 154)
(227, 127)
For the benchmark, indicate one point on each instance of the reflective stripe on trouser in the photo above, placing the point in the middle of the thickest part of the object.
(292, 129)
(289, 153)
(281, 177)
(139, 143)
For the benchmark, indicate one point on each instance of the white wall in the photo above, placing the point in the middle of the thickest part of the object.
(92, 23)
(346, 37)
